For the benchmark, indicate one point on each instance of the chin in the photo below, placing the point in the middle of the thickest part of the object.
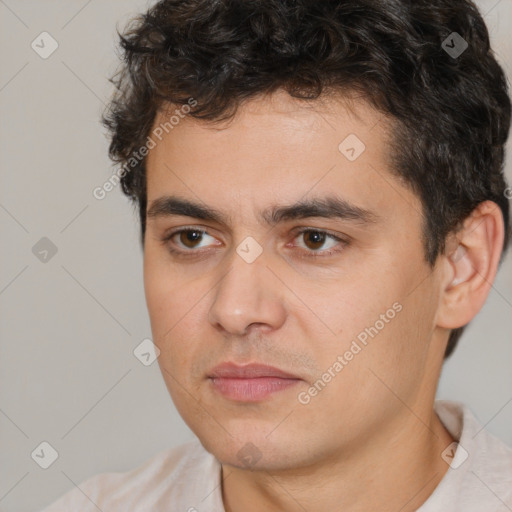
(251, 449)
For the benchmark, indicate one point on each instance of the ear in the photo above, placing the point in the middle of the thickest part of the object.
(469, 265)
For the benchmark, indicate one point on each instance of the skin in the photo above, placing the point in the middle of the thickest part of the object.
(372, 427)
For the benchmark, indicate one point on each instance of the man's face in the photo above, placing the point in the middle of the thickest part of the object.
(347, 308)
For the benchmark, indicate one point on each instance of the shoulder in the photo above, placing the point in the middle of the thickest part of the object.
(492, 464)
(178, 473)
(485, 451)
(480, 473)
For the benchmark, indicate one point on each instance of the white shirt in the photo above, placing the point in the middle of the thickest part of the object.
(187, 478)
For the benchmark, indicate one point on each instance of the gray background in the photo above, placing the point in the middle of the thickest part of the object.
(69, 326)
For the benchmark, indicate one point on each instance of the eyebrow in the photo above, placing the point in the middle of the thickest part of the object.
(327, 207)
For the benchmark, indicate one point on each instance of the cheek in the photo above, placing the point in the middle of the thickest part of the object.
(159, 296)
(176, 314)
(373, 318)
(162, 286)
(380, 361)
(164, 298)
(343, 307)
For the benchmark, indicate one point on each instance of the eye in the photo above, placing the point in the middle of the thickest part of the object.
(315, 239)
(187, 239)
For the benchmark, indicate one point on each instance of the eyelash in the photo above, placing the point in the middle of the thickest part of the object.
(305, 253)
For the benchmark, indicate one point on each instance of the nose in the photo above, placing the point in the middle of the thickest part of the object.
(247, 296)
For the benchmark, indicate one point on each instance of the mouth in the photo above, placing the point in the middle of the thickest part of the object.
(250, 383)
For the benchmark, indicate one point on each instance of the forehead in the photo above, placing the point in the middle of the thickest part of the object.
(276, 149)
(263, 113)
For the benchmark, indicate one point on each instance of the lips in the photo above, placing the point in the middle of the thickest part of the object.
(250, 383)
(250, 371)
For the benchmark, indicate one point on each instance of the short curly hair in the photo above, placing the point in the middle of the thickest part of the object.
(451, 112)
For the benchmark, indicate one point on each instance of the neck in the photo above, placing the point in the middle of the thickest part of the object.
(397, 469)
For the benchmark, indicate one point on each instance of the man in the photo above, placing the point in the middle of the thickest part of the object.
(323, 210)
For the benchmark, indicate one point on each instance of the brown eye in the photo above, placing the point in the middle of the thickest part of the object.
(314, 239)
(189, 241)
(317, 243)
(190, 237)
